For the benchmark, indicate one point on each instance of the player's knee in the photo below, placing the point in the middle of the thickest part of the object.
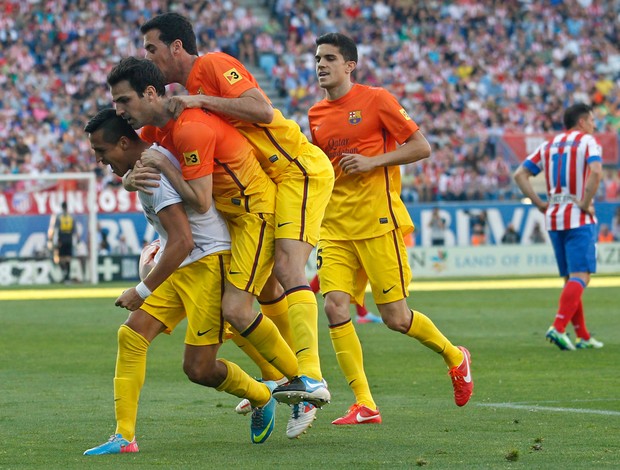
(337, 312)
(397, 320)
(289, 271)
(126, 335)
(395, 324)
(200, 373)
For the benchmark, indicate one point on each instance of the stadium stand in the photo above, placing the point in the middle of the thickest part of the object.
(467, 71)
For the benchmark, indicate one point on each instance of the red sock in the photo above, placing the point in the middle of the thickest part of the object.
(569, 301)
(361, 310)
(314, 284)
(579, 323)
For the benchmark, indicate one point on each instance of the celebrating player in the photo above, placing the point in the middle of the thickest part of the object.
(573, 169)
(193, 246)
(215, 160)
(221, 84)
(359, 127)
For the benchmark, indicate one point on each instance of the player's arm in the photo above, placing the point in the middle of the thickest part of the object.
(250, 106)
(592, 183)
(180, 243)
(522, 178)
(195, 192)
(414, 149)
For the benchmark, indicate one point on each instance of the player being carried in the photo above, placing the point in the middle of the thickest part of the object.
(193, 246)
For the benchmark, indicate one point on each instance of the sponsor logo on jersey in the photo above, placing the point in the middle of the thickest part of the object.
(191, 158)
(232, 76)
(404, 113)
(355, 117)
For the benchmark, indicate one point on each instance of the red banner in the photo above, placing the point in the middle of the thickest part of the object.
(48, 202)
(523, 144)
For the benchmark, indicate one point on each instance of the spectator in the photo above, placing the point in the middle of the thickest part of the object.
(511, 236)
(537, 235)
(605, 235)
(437, 226)
(615, 224)
(478, 236)
(467, 84)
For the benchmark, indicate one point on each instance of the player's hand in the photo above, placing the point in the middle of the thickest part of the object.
(177, 104)
(141, 178)
(154, 159)
(129, 300)
(354, 163)
(543, 207)
(589, 209)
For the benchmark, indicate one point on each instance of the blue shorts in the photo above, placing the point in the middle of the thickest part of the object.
(575, 249)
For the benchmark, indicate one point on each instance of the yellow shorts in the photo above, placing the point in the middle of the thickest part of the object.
(252, 246)
(347, 266)
(304, 189)
(194, 291)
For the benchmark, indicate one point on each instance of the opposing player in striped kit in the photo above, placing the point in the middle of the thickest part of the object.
(572, 165)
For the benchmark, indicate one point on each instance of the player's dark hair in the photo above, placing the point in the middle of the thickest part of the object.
(345, 45)
(173, 26)
(113, 126)
(140, 73)
(574, 113)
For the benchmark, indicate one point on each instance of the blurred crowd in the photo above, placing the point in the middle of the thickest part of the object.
(466, 72)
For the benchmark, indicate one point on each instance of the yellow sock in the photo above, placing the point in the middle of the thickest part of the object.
(351, 360)
(264, 336)
(303, 314)
(128, 379)
(241, 385)
(277, 311)
(425, 331)
(267, 371)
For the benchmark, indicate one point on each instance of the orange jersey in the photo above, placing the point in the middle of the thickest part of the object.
(367, 121)
(278, 143)
(205, 144)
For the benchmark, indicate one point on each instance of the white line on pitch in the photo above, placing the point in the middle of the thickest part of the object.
(550, 408)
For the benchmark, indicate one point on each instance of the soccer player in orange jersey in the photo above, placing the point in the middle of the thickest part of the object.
(216, 161)
(221, 84)
(360, 127)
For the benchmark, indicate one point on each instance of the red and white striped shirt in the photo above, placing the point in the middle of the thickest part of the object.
(564, 161)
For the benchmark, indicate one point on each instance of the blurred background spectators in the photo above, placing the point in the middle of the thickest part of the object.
(465, 71)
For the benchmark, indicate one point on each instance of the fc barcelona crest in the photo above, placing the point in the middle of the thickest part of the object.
(355, 117)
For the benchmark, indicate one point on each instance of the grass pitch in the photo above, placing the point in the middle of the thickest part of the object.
(534, 406)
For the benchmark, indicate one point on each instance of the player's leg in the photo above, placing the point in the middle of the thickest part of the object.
(273, 303)
(250, 266)
(206, 330)
(303, 194)
(258, 330)
(290, 262)
(314, 284)
(575, 252)
(343, 278)
(134, 338)
(389, 280)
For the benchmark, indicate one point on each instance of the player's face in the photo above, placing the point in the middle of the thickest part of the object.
(131, 107)
(588, 123)
(331, 68)
(109, 154)
(159, 53)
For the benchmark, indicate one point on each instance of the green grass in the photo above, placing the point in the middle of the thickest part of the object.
(57, 363)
